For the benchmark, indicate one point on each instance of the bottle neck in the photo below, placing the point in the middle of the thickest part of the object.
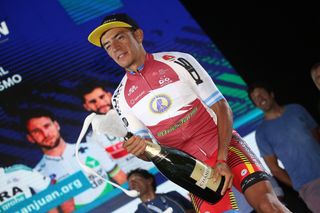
(152, 150)
(155, 152)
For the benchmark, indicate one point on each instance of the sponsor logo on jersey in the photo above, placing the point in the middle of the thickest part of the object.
(160, 104)
(163, 78)
(168, 57)
(115, 99)
(125, 121)
(192, 71)
(132, 89)
(163, 71)
(91, 162)
(96, 181)
(244, 172)
(5, 195)
(179, 123)
(164, 81)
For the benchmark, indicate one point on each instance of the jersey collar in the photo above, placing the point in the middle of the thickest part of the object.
(67, 152)
(140, 69)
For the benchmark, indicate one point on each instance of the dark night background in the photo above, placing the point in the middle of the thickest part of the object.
(274, 44)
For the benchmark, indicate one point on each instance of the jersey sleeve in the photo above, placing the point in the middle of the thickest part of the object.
(200, 80)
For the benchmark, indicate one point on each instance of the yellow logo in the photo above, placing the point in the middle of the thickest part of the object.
(160, 104)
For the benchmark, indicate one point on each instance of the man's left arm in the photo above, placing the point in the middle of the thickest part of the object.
(224, 124)
(207, 91)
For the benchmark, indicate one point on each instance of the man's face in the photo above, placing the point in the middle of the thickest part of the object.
(140, 184)
(98, 101)
(316, 77)
(262, 98)
(44, 132)
(123, 45)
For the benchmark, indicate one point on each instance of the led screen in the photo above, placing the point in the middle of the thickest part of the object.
(44, 55)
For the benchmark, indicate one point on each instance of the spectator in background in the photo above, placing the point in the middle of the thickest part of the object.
(145, 183)
(59, 161)
(290, 134)
(97, 99)
(315, 74)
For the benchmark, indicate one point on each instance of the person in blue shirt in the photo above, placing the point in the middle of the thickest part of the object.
(289, 133)
(144, 182)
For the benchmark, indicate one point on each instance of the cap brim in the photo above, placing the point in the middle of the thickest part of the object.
(95, 35)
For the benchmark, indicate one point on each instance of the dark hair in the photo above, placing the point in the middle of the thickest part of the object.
(145, 174)
(314, 67)
(259, 84)
(87, 87)
(29, 114)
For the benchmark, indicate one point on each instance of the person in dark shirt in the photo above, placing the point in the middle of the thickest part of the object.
(144, 182)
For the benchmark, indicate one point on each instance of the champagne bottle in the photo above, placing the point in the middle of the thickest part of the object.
(186, 171)
(178, 166)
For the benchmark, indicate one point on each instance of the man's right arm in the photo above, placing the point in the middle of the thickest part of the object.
(276, 170)
(136, 146)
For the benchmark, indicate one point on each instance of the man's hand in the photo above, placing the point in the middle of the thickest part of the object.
(135, 145)
(223, 169)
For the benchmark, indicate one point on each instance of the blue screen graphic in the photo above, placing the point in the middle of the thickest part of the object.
(44, 54)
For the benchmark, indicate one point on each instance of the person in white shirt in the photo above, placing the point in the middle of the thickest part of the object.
(18, 183)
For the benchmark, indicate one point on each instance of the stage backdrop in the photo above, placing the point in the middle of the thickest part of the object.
(44, 54)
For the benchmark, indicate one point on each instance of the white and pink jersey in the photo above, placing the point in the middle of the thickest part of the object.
(169, 97)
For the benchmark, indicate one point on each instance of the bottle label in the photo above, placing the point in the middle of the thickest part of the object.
(203, 175)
